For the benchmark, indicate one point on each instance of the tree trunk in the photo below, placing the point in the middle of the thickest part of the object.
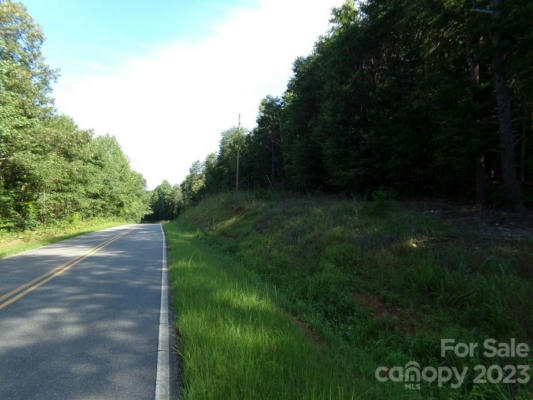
(527, 124)
(237, 170)
(238, 155)
(481, 182)
(523, 160)
(511, 184)
(481, 176)
(273, 162)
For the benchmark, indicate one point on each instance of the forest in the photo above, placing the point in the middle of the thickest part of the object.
(50, 170)
(411, 99)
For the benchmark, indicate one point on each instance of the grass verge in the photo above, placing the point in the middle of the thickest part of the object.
(16, 242)
(376, 283)
(236, 342)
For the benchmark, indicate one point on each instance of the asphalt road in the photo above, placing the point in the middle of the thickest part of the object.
(83, 331)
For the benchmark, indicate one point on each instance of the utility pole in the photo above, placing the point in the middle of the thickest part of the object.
(238, 154)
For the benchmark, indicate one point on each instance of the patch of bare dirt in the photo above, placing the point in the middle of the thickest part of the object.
(378, 307)
(10, 242)
(306, 330)
(524, 266)
(239, 210)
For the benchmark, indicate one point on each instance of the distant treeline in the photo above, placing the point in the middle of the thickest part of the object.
(49, 169)
(415, 97)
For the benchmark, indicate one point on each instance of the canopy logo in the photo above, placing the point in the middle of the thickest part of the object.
(412, 374)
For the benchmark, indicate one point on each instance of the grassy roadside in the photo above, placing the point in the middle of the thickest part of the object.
(16, 242)
(237, 343)
(378, 284)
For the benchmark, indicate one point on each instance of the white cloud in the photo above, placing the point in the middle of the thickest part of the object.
(168, 108)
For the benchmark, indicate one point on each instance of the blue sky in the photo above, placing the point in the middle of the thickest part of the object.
(166, 77)
(81, 33)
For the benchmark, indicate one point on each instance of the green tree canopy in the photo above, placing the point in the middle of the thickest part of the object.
(49, 168)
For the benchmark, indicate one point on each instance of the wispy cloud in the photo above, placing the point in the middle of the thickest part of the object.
(168, 108)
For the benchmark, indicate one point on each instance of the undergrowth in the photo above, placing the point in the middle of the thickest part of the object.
(380, 281)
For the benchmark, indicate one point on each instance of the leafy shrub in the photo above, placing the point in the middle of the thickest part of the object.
(379, 205)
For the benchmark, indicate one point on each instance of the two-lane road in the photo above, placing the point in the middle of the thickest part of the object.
(80, 319)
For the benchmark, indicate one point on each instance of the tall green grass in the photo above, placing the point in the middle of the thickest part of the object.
(379, 282)
(235, 341)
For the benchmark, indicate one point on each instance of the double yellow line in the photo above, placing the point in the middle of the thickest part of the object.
(30, 286)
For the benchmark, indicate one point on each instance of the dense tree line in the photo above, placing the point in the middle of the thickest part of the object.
(165, 202)
(418, 97)
(49, 169)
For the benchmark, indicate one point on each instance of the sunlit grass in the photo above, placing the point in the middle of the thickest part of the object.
(379, 283)
(13, 243)
(236, 342)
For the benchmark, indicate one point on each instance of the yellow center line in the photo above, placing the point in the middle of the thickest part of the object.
(53, 273)
(18, 289)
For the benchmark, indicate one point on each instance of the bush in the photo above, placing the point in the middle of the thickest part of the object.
(379, 205)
